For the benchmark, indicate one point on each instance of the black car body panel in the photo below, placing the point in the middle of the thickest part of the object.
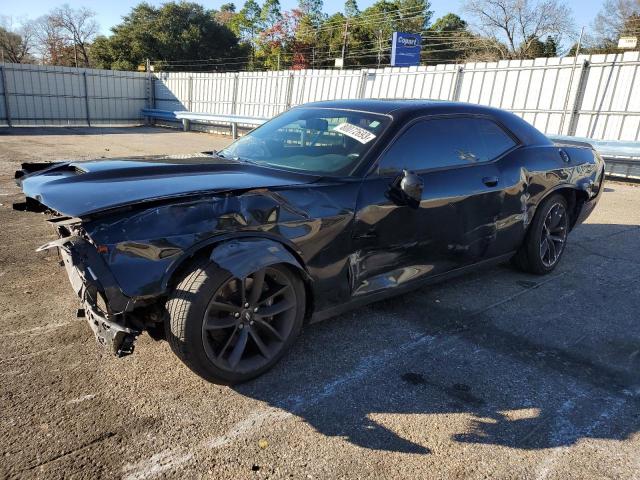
(347, 236)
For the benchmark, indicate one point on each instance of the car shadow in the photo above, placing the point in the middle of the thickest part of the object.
(539, 370)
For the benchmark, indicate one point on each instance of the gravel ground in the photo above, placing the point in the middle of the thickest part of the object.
(497, 374)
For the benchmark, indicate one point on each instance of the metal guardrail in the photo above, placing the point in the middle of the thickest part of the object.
(187, 117)
(622, 158)
(625, 167)
(233, 120)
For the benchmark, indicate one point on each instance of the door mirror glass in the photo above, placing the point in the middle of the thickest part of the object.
(406, 189)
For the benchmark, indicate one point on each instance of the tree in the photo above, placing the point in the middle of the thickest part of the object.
(102, 55)
(414, 15)
(310, 19)
(351, 9)
(226, 14)
(330, 38)
(16, 43)
(271, 41)
(245, 24)
(519, 23)
(312, 9)
(80, 28)
(449, 23)
(373, 29)
(270, 14)
(53, 44)
(532, 48)
(550, 47)
(446, 40)
(617, 18)
(174, 35)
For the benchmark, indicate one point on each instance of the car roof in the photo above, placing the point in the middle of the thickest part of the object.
(403, 109)
(393, 105)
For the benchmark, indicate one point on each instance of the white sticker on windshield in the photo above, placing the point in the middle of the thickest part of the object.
(355, 132)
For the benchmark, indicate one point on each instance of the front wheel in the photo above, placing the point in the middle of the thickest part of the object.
(545, 241)
(229, 330)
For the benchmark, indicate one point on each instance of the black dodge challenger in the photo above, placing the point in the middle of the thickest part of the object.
(326, 207)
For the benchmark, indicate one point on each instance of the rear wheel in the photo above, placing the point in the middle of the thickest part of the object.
(229, 330)
(545, 241)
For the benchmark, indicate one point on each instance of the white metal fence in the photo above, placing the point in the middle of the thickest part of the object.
(594, 96)
(49, 95)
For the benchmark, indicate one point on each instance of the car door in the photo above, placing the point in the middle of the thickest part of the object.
(453, 225)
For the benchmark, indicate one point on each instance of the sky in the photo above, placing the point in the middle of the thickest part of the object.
(109, 13)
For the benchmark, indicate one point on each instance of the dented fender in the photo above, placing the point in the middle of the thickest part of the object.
(243, 256)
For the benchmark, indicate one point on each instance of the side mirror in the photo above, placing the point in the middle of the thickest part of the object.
(406, 189)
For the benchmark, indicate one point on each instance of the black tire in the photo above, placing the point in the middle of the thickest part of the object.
(530, 257)
(190, 314)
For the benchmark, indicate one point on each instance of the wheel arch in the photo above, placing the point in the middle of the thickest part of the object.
(240, 254)
(574, 196)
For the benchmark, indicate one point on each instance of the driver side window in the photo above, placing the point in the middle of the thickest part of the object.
(445, 142)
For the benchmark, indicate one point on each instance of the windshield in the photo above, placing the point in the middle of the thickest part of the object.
(314, 140)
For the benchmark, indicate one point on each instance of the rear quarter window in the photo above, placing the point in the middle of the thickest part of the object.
(446, 142)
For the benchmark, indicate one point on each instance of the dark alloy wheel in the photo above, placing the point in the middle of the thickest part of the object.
(247, 320)
(546, 237)
(228, 329)
(553, 235)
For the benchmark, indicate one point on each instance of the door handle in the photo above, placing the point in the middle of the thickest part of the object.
(490, 181)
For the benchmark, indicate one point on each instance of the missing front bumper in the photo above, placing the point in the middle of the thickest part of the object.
(115, 338)
(87, 274)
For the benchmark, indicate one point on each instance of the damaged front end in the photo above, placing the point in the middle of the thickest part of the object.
(126, 226)
(104, 305)
(87, 272)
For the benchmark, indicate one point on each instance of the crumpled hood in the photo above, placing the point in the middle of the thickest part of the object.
(81, 188)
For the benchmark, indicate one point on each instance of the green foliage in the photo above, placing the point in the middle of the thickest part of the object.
(270, 14)
(535, 48)
(261, 36)
(245, 24)
(14, 47)
(175, 31)
(446, 40)
(532, 48)
(449, 23)
(351, 8)
(550, 47)
(312, 9)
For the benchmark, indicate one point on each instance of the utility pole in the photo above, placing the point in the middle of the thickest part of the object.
(344, 41)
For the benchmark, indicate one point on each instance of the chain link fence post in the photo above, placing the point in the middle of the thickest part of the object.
(457, 84)
(86, 99)
(289, 92)
(362, 88)
(5, 94)
(234, 104)
(577, 103)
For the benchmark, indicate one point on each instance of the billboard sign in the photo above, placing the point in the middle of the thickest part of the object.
(405, 49)
(628, 42)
